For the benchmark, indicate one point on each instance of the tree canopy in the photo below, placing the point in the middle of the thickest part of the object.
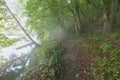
(65, 30)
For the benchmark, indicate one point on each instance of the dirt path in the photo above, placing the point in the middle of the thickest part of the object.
(75, 63)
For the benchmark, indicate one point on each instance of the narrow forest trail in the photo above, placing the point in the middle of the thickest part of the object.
(75, 62)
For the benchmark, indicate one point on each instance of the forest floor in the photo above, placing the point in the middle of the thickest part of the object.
(76, 62)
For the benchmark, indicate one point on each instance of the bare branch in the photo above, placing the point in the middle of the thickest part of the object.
(25, 45)
(19, 24)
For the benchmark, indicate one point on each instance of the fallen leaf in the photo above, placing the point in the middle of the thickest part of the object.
(77, 75)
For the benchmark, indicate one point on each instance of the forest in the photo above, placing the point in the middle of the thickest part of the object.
(60, 40)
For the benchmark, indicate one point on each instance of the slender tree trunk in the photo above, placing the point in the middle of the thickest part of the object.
(76, 29)
(109, 16)
(77, 16)
(107, 25)
(19, 24)
(113, 10)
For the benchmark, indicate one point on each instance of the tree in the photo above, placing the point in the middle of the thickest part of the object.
(76, 10)
(48, 14)
(19, 23)
(109, 12)
(4, 19)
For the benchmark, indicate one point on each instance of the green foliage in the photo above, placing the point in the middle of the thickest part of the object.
(107, 66)
(46, 56)
(105, 47)
(1, 26)
(107, 4)
(114, 36)
(47, 14)
(5, 41)
(6, 27)
(1, 2)
(54, 53)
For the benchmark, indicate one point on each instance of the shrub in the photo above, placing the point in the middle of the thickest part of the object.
(46, 57)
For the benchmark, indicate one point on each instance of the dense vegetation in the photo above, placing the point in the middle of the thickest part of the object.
(107, 55)
(92, 24)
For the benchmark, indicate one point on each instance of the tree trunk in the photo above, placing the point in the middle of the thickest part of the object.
(113, 10)
(77, 16)
(109, 16)
(107, 25)
(76, 29)
(19, 24)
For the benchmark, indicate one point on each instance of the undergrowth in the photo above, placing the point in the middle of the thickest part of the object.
(107, 56)
(44, 61)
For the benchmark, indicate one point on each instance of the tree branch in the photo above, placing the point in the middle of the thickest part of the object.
(25, 45)
(19, 24)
